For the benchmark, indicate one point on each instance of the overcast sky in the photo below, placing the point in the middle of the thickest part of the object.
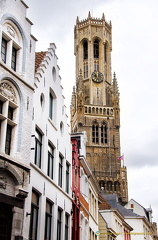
(134, 59)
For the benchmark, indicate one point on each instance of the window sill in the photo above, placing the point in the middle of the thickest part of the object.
(51, 122)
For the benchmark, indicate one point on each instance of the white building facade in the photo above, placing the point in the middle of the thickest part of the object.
(50, 183)
(16, 104)
(35, 148)
(143, 228)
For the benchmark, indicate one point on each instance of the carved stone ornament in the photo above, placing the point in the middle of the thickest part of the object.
(11, 31)
(7, 91)
(3, 182)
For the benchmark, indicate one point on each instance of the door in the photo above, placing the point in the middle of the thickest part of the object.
(6, 216)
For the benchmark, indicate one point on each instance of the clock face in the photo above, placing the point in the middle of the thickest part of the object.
(97, 76)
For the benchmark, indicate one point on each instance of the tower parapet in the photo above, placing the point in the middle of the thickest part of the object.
(93, 21)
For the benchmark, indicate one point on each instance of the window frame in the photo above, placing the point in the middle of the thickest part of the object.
(96, 48)
(104, 133)
(67, 226)
(67, 183)
(95, 133)
(50, 167)
(14, 58)
(85, 69)
(8, 118)
(4, 47)
(33, 218)
(8, 139)
(51, 101)
(85, 49)
(59, 224)
(60, 171)
(48, 220)
(38, 148)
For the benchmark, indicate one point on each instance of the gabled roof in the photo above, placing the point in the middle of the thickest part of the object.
(39, 56)
(113, 201)
(146, 210)
(103, 203)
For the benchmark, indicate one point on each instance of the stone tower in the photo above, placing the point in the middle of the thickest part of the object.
(95, 104)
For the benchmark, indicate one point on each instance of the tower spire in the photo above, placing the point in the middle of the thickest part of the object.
(115, 85)
(103, 17)
(89, 15)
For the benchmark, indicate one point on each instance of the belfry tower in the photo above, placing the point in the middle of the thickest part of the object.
(95, 104)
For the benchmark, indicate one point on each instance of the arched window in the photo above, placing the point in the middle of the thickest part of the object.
(13, 45)
(102, 185)
(96, 48)
(116, 186)
(95, 133)
(104, 133)
(85, 49)
(109, 186)
(9, 105)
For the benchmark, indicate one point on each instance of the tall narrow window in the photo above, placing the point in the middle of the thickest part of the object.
(67, 178)
(8, 116)
(34, 216)
(95, 133)
(48, 221)
(66, 226)
(50, 161)
(104, 133)
(85, 69)
(38, 148)
(60, 176)
(85, 50)
(50, 106)
(4, 50)
(96, 48)
(96, 65)
(59, 224)
(8, 139)
(105, 52)
(10, 113)
(13, 62)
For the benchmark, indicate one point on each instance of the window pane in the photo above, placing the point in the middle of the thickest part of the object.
(85, 50)
(59, 224)
(8, 139)
(66, 226)
(50, 106)
(10, 113)
(4, 50)
(96, 49)
(50, 161)
(60, 171)
(48, 220)
(67, 177)
(38, 148)
(13, 62)
(34, 216)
